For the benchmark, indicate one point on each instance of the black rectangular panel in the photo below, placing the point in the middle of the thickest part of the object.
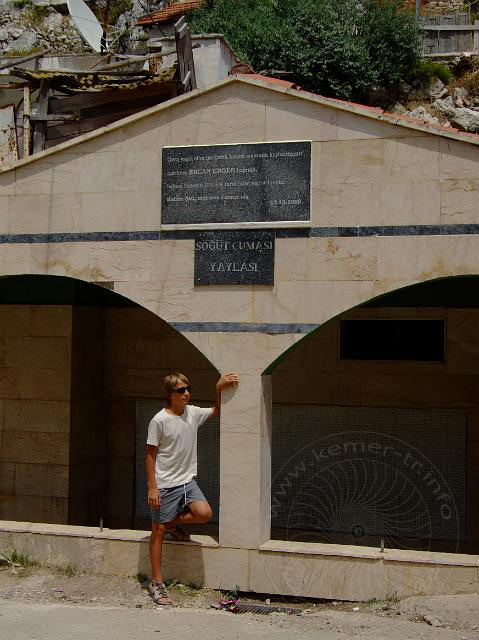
(265, 182)
(234, 257)
(385, 339)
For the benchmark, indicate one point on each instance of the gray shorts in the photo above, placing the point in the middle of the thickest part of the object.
(174, 501)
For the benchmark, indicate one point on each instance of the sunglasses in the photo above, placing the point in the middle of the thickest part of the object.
(181, 390)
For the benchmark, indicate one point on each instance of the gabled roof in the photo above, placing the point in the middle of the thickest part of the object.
(171, 12)
(270, 84)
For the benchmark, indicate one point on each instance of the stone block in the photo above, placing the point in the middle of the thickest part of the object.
(291, 258)
(37, 352)
(386, 203)
(149, 134)
(41, 480)
(300, 120)
(54, 320)
(107, 211)
(245, 353)
(423, 258)
(84, 554)
(407, 579)
(318, 576)
(341, 259)
(121, 261)
(14, 259)
(462, 325)
(359, 127)
(401, 160)
(242, 406)
(15, 320)
(7, 183)
(40, 509)
(217, 124)
(7, 478)
(4, 214)
(458, 160)
(69, 259)
(459, 201)
(463, 358)
(224, 568)
(314, 302)
(43, 384)
(39, 415)
(35, 547)
(147, 208)
(335, 205)
(42, 212)
(93, 172)
(172, 261)
(240, 497)
(121, 416)
(34, 447)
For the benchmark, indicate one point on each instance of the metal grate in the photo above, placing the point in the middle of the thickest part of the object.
(208, 457)
(395, 473)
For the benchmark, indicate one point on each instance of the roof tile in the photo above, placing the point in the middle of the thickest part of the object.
(172, 11)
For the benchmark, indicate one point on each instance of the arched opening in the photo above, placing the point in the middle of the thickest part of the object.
(376, 424)
(81, 369)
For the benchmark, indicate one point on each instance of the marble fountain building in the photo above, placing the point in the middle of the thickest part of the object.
(346, 463)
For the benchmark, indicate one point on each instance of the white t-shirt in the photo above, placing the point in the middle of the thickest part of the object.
(175, 437)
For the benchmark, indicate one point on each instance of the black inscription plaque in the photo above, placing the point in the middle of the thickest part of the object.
(266, 182)
(234, 257)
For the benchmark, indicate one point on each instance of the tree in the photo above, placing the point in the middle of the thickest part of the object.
(339, 48)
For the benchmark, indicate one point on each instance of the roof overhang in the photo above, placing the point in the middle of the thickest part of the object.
(350, 107)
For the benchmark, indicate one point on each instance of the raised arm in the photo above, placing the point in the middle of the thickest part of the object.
(226, 380)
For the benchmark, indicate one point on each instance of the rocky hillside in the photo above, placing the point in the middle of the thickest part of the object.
(26, 27)
(452, 104)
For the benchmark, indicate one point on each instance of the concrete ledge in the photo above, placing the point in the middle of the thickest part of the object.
(389, 555)
(73, 531)
(279, 567)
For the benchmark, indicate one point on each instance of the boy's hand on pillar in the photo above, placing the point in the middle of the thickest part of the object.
(227, 380)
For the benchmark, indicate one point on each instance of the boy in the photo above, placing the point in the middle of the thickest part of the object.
(173, 495)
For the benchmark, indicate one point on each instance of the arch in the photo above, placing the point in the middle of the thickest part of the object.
(454, 290)
(80, 372)
(356, 439)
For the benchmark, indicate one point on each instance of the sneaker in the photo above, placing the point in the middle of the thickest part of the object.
(159, 593)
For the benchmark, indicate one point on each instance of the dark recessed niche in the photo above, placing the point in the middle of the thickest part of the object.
(419, 340)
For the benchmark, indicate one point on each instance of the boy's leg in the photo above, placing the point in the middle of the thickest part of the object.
(197, 512)
(156, 549)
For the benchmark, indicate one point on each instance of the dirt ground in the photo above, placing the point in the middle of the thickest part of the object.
(36, 601)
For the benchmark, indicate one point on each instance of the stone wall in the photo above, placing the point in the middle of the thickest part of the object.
(140, 350)
(35, 343)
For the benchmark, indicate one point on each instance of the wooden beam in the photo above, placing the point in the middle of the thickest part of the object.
(41, 111)
(13, 85)
(13, 63)
(186, 63)
(55, 117)
(135, 60)
(82, 102)
(27, 111)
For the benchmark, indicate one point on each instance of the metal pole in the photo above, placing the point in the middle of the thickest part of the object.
(418, 6)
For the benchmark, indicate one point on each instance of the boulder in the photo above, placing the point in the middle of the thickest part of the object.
(421, 114)
(445, 106)
(437, 90)
(466, 120)
(26, 42)
(398, 108)
(460, 93)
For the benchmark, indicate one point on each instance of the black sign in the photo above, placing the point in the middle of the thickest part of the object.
(234, 257)
(267, 182)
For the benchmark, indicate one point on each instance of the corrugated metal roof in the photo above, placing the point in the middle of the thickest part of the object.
(172, 11)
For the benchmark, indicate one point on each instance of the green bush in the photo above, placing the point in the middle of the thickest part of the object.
(426, 72)
(340, 48)
(21, 4)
